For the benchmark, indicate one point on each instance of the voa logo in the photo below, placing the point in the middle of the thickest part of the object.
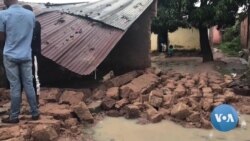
(224, 118)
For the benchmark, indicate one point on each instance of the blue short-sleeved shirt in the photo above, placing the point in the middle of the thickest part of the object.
(18, 24)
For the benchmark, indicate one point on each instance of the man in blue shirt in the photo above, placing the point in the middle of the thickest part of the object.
(16, 29)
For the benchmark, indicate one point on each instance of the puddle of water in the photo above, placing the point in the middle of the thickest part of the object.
(120, 129)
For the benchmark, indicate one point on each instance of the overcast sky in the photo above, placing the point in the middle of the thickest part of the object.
(57, 1)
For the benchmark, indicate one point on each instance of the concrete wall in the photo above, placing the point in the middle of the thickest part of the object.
(185, 39)
(154, 39)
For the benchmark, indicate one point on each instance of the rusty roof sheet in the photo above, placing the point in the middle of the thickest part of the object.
(117, 13)
(80, 44)
(76, 44)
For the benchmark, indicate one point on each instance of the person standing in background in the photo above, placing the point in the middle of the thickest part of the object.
(16, 29)
(36, 52)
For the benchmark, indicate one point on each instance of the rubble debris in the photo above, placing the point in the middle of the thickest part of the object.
(71, 122)
(4, 94)
(71, 97)
(3, 110)
(164, 112)
(46, 120)
(216, 88)
(82, 112)
(183, 98)
(57, 111)
(245, 109)
(194, 117)
(113, 93)
(100, 94)
(121, 103)
(108, 103)
(132, 112)
(50, 95)
(44, 133)
(180, 111)
(207, 104)
(186, 99)
(113, 113)
(171, 85)
(9, 132)
(133, 96)
(153, 115)
(230, 96)
(125, 91)
(123, 79)
(180, 91)
(95, 106)
(156, 98)
(156, 118)
(228, 79)
(241, 84)
(206, 123)
(143, 84)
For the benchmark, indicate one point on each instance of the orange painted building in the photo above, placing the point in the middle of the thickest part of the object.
(244, 33)
(215, 35)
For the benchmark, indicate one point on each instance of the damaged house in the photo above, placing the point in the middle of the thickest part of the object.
(91, 39)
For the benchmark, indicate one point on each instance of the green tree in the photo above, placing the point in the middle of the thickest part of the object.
(202, 14)
(169, 18)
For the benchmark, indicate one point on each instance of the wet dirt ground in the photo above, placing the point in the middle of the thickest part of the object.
(120, 129)
(224, 65)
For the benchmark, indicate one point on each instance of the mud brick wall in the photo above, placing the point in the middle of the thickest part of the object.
(133, 50)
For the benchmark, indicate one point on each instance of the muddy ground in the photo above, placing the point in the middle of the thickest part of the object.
(180, 89)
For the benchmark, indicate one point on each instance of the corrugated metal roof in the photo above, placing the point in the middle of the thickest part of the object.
(76, 44)
(117, 13)
(80, 44)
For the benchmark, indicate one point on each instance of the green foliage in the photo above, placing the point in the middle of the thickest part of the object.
(231, 32)
(213, 12)
(201, 14)
(169, 16)
(231, 48)
(231, 40)
(205, 13)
